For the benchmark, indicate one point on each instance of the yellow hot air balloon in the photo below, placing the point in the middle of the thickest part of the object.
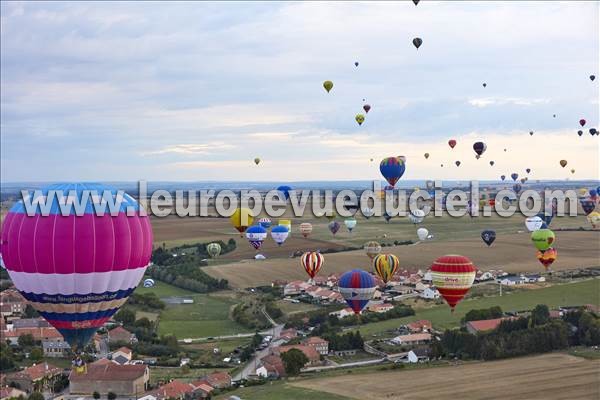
(241, 219)
(385, 266)
(360, 118)
(257, 161)
(594, 218)
(372, 249)
(563, 163)
(287, 223)
(328, 85)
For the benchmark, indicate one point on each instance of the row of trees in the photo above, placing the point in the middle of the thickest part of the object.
(187, 276)
(148, 301)
(346, 341)
(484, 313)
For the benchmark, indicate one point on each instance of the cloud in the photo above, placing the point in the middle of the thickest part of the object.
(517, 101)
(192, 149)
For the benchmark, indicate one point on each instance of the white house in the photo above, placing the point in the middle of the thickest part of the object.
(420, 286)
(430, 293)
(512, 280)
(484, 276)
(427, 277)
(343, 312)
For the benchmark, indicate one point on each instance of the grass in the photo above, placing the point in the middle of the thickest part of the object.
(278, 391)
(585, 352)
(359, 356)
(162, 290)
(226, 345)
(287, 307)
(568, 294)
(207, 316)
(150, 315)
(158, 374)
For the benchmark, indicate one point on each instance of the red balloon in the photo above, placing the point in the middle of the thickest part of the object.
(582, 122)
(452, 143)
(453, 276)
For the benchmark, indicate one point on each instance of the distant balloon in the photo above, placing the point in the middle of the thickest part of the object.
(528, 170)
(543, 239)
(280, 233)
(422, 233)
(488, 236)
(588, 206)
(350, 223)
(534, 223)
(241, 219)
(265, 222)
(416, 216)
(257, 161)
(417, 2)
(503, 177)
(426, 155)
(442, 165)
(492, 163)
(312, 263)
(417, 42)
(582, 122)
(306, 229)
(479, 148)
(284, 191)
(523, 180)
(356, 63)
(357, 288)
(328, 85)
(593, 131)
(256, 235)
(385, 266)
(452, 143)
(484, 84)
(457, 163)
(368, 212)
(392, 169)
(580, 132)
(594, 219)
(530, 133)
(148, 283)
(334, 227)
(360, 118)
(213, 249)
(387, 217)
(592, 77)
(573, 170)
(453, 276)
(514, 176)
(372, 249)
(517, 187)
(553, 115)
(367, 108)
(547, 257)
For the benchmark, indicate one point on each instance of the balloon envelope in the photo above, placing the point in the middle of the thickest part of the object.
(280, 233)
(543, 239)
(547, 257)
(357, 288)
(534, 223)
(453, 276)
(488, 236)
(284, 191)
(241, 219)
(367, 108)
(306, 228)
(360, 118)
(422, 233)
(328, 85)
(334, 227)
(312, 263)
(417, 42)
(392, 169)
(385, 266)
(372, 249)
(213, 249)
(148, 283)
(265, 222)
(77, 271)
(452, 143)
(350, 223)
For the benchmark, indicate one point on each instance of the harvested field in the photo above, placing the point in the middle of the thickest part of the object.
(551, 376)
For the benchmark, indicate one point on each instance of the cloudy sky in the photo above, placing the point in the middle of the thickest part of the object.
(194, 91)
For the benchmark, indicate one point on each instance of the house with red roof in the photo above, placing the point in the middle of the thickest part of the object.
(319, 344)
(314, 358)
(106, 376)
(8, 392)
(39, 334)
(38, 377)
(380, 308)
(11, 303)
(271, 366)
(120, 334)
(202, 389)
(218, 379)
(419, 326)
(175, 389)
(484, 325)
(412, 339)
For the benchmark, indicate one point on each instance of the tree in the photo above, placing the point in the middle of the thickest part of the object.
(26, 340)
(540, 315)
(125, 316)
(294, 360)
(6, 357)
(111, 396)
(30, 312)
(36, 354)
(185, 369)
(96, 395)
(35, 396)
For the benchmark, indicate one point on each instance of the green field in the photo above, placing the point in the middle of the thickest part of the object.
(164, 374)
(208, 316)
(568, 294)
(279, 391)
(162, 290)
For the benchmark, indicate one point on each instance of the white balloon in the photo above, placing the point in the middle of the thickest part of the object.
(416, 216)
(534, 223)
(368, 212)
(422, 233)
(350, 223)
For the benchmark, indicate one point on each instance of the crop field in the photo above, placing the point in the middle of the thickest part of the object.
(549, 376)
(279, 391)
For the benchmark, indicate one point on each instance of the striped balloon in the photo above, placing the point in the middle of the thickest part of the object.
(306, 228)
(76, 271)
(312, 263)
(385, 266)
(357, 288)
(453, 276)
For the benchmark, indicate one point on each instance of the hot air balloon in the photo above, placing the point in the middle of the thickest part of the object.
(77, 271)
(356, 63)
(256, 235)
(416, 216)
(528, 170)
(553, 115)
(422, 233)
(593, 131)
(594, 219)
(563, 163)
(417, 2)
(523, 180)
(580, 132)
(284, 191)
(312, 262)
(588, 206)
(582, 122)
(368, 212)
(213, 249)
(357, 288)
(387, 217)
(530, 133)
(592, 77)
(257, 161)
(451, 143)
(265, 222)
(479, 148)
(426, 155)
(372, 249)
(306, 229)
(392, 169)
(572, 170)
(241, 219)
(484, 84)
(442, 165)
(279, 234)
(287, 223)
(517, 187)
(534, 223)
(350, 223)
(457, 163)
(453, 276)
(148, 283)
(514, 176)
(543, 239)
(417, 42)
(385, 266)
(328, 85)
(503, 177)
(492, 163)
(334, 227)
(488, 236)
(360, 118)
(367, 108)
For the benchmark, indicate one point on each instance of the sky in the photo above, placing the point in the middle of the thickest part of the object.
(98, 91)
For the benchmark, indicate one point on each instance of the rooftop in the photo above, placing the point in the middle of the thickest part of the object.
(109, 371)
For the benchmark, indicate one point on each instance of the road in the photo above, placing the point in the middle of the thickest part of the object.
(347, 365)
(252, 364)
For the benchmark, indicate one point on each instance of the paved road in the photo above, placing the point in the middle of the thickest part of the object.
(347, 365)
(252, 364)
